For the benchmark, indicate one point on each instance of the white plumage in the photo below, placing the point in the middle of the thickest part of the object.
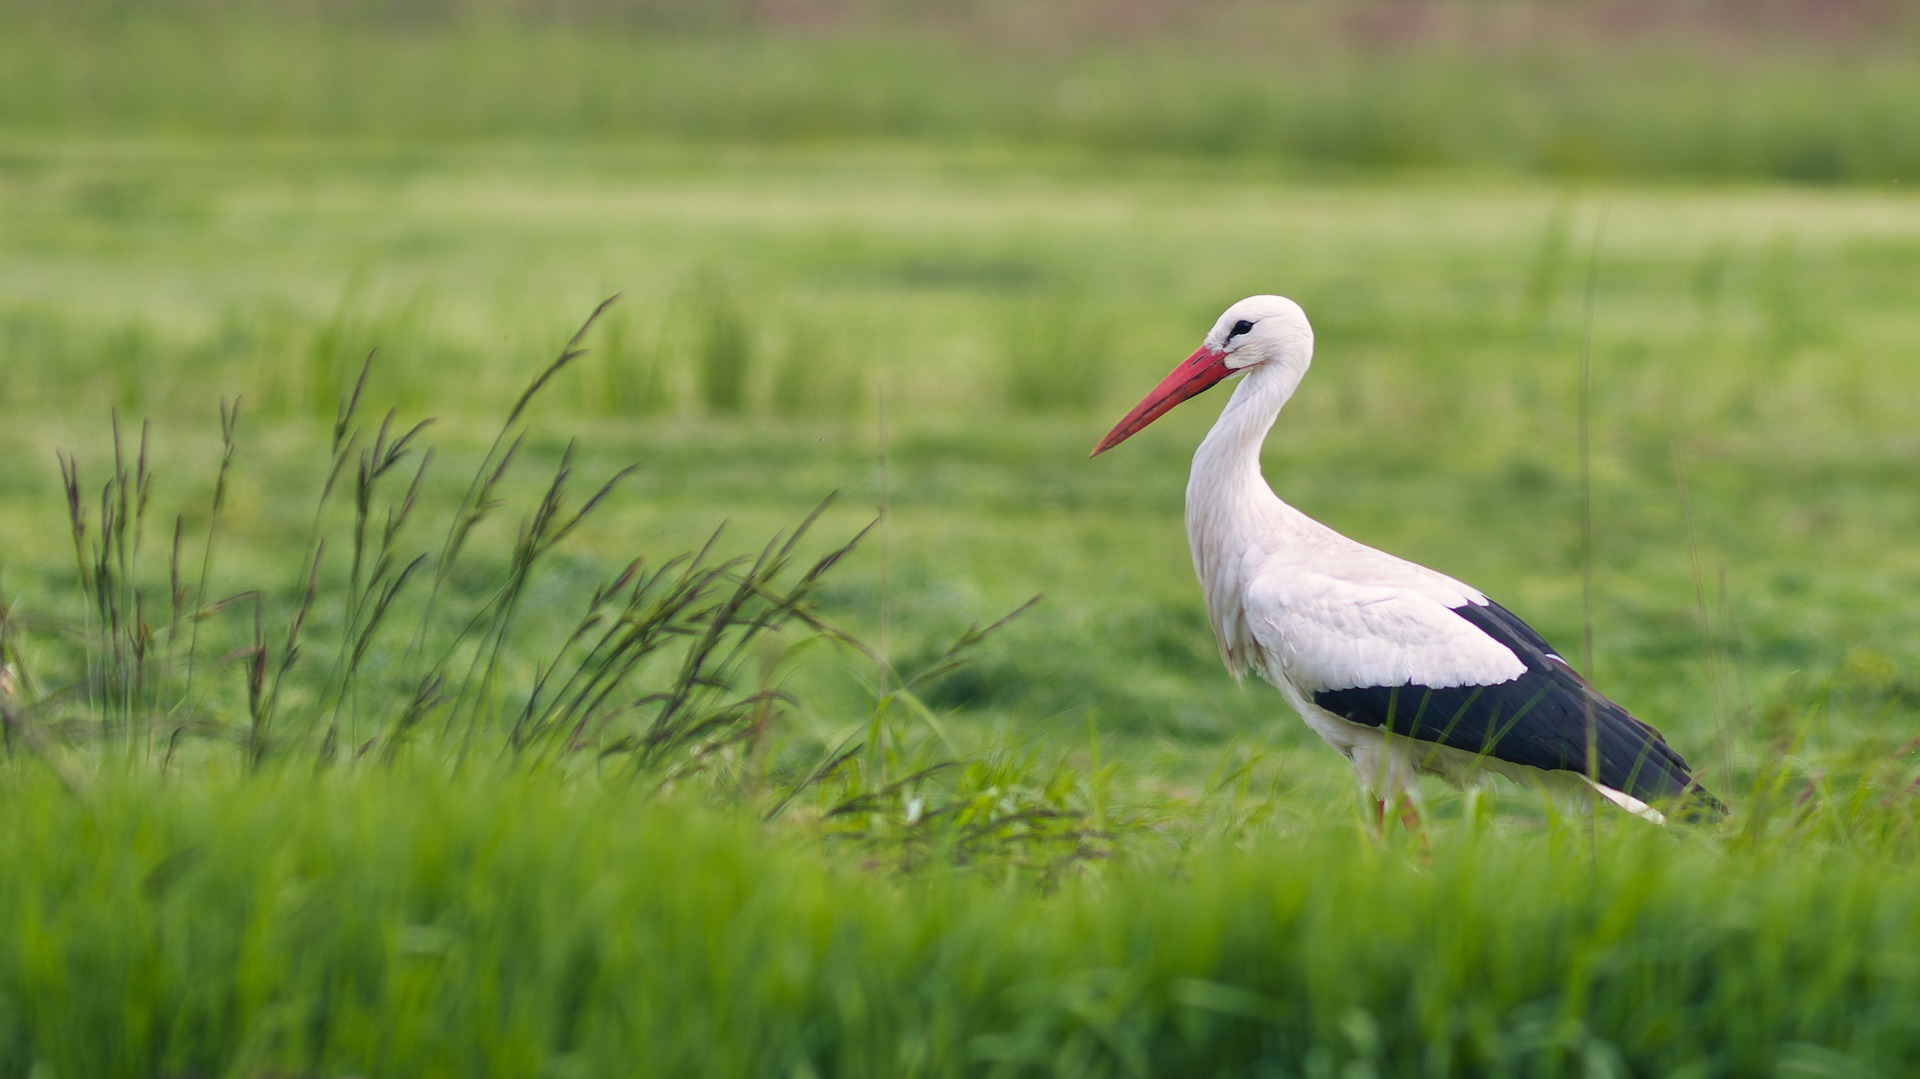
(1403, 669)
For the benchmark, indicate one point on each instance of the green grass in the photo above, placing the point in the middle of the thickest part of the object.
(1067, 846)
(394, 922)
(1689, 90)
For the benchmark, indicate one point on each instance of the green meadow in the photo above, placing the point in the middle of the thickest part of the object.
(415, 667)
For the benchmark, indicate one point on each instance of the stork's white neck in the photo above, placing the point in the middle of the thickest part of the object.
(1234, 520)
(1234, 443)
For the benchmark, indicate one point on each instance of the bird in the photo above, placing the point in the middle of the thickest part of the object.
(1403, 669)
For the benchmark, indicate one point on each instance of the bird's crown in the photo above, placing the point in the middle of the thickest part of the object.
(1260, 328)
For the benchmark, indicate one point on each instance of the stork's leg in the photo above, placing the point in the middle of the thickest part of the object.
(1410, 820)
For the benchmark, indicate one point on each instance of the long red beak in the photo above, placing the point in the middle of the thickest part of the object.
(1198, 372)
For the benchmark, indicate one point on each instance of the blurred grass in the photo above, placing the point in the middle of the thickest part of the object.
(402, 923)
(1816, 93)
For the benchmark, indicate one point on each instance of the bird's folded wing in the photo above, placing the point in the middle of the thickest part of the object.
(1326, 633)
(1472, 677)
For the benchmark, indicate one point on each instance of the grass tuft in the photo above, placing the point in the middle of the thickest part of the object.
(654, 671)
(725, 349)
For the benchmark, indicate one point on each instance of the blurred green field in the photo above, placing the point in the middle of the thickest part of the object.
(1083, 850)
(1608, 88)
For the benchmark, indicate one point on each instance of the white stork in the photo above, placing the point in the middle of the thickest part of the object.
(1402, 669)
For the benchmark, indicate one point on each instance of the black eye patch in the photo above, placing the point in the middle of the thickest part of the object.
(1240, 327)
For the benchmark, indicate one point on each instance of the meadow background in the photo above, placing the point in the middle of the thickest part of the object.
(282, 800)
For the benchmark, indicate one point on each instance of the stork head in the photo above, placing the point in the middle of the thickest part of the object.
(1257, 331)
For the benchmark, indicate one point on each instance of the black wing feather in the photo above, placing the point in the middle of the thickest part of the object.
(1541, 719)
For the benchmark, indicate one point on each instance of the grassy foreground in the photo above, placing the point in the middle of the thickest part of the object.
(402, 923)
